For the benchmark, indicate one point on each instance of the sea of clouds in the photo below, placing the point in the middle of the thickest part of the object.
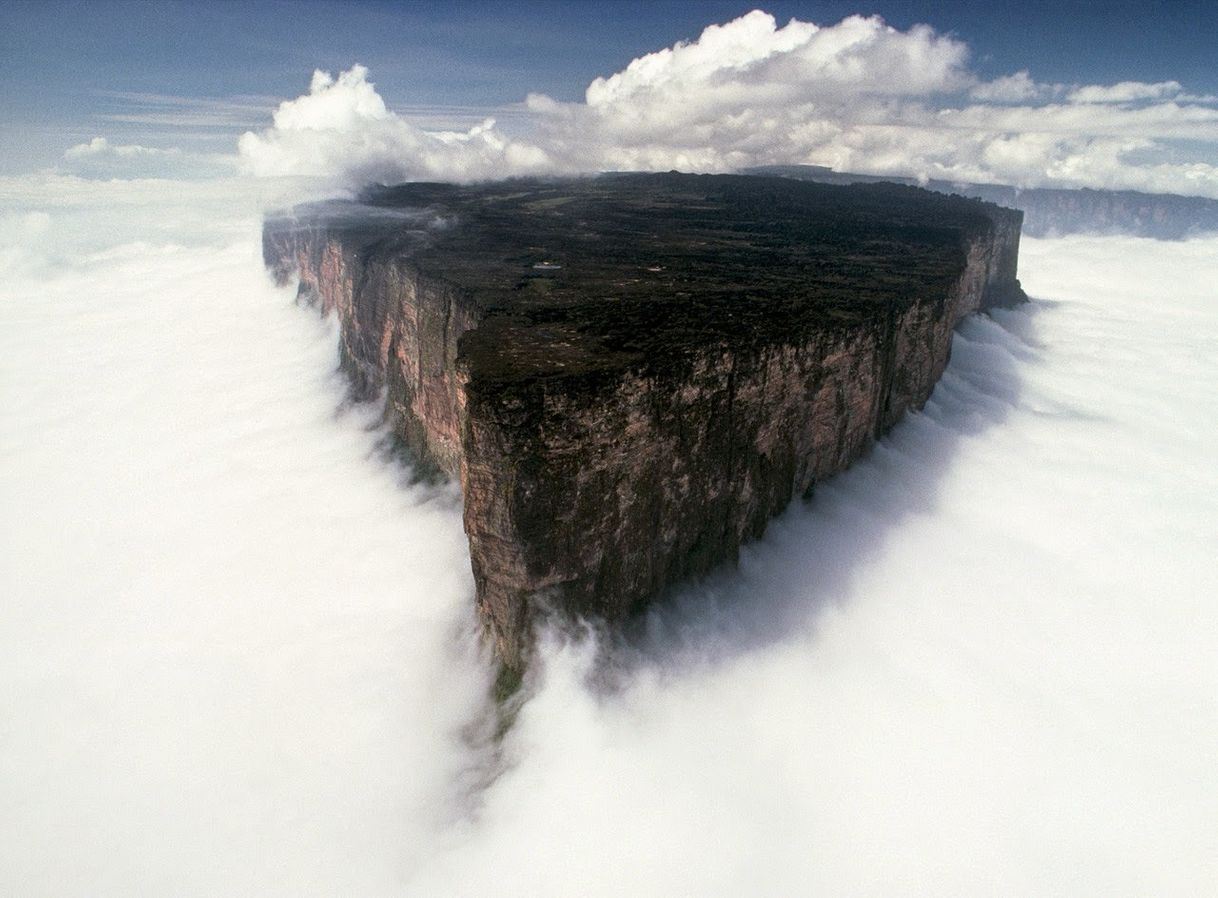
(239, 652)
(239, 655)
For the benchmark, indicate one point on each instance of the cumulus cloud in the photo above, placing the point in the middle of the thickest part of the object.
(856, 96)
(751, 59)
(342, 130)
(750, 92)
(1015, 88)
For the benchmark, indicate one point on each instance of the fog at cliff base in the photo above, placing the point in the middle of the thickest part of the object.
(239, 652)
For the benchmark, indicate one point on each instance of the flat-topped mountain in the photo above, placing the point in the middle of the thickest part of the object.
(630, 374)
(1052, 211)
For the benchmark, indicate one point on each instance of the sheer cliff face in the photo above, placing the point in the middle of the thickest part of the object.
(597, 497)
(1056, 212)
(609, 449)
(398, 331)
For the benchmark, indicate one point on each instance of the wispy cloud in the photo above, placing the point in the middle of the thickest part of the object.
(1125, 92)
(225, 113)
(99, 158)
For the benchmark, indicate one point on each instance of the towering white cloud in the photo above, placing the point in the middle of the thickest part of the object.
(749, 92)
(341, 129)
(859, 96)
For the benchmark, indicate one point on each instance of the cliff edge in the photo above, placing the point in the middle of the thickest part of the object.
(631, 374)
(1055, 211)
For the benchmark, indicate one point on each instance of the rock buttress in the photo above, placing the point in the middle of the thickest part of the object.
(709, 349)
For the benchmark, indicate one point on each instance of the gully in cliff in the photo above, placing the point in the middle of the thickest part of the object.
(631, 374)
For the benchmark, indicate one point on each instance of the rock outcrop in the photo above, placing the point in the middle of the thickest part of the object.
(631, 374)
(1052, 212)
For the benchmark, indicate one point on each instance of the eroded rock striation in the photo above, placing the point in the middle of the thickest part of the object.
(631, 374)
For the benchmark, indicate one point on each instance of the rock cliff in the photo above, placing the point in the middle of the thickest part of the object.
(1054, 212)
(631, 374)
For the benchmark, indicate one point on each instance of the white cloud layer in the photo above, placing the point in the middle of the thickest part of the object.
(237, 654)
(221, 606)
(99, 158)
(979, 663)
(100, 146)
(858, 96)
(1125, 92)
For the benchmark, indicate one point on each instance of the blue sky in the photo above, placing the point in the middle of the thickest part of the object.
(195, 75)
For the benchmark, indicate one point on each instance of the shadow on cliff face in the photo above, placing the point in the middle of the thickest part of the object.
(806, 563)
(810, 555)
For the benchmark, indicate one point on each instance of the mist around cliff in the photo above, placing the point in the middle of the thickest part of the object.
(979, 662)
(239, 655)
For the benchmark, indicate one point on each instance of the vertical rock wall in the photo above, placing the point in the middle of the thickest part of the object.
(593, 493)
(398, 331)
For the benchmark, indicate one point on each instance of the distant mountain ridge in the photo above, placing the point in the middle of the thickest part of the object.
(1052, 211)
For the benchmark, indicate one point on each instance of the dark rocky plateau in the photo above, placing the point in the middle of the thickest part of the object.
(631, 374)
(1055, 212)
